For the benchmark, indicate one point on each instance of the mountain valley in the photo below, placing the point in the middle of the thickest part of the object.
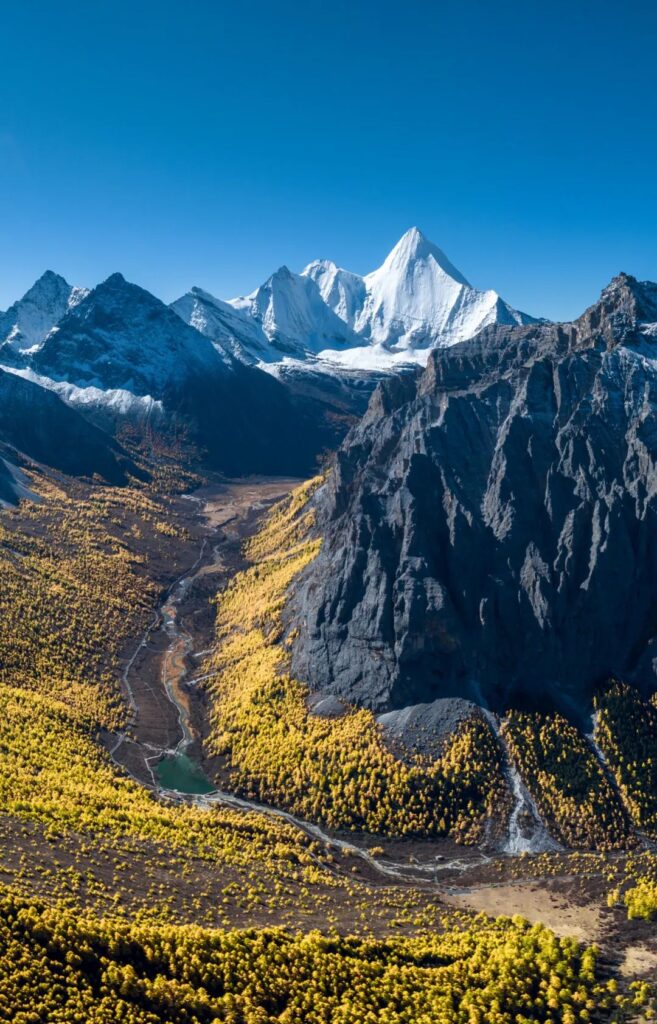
(328, 625)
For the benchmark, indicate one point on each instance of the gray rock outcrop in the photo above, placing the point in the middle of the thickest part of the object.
(490, 527)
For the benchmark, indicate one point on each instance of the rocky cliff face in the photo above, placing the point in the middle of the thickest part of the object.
(490, 527)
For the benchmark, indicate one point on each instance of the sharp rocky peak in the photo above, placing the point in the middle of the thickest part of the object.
(26, 324)
(115, 280)
(117, 293)
(623, 307)
(49, 280)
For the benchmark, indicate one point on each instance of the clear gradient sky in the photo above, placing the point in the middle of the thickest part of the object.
(209, 141)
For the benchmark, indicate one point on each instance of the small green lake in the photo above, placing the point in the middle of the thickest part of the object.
(179, 772)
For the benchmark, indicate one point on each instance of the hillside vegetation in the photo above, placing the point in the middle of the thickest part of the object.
(107, 891)
(626, 731)
(571, 789)
(335, 770)
(74, 590)
(57, 967)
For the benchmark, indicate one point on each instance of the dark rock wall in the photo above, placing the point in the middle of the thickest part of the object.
(489, 529)
(38, 424)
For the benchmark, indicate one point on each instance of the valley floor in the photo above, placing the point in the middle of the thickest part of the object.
(160, 672)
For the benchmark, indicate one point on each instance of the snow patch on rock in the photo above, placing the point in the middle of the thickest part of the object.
(115, 400)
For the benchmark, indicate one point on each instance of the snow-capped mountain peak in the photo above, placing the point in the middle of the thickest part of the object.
(414, 247)
(415, 301)
(293, 315)
(341, 290)
(27, 323)
(320, 267)
(232, 329)
(415, 298)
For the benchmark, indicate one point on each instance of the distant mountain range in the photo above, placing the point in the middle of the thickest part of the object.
(261, 383)
(414, 302)
(119, 353)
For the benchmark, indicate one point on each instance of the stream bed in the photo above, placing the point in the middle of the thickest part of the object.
(177, 770)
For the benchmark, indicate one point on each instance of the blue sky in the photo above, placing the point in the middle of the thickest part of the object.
(209, 141)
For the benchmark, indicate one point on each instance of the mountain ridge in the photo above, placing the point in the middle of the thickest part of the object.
(121, 353)
(488, 526)
(36, 424)
(121, 336)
